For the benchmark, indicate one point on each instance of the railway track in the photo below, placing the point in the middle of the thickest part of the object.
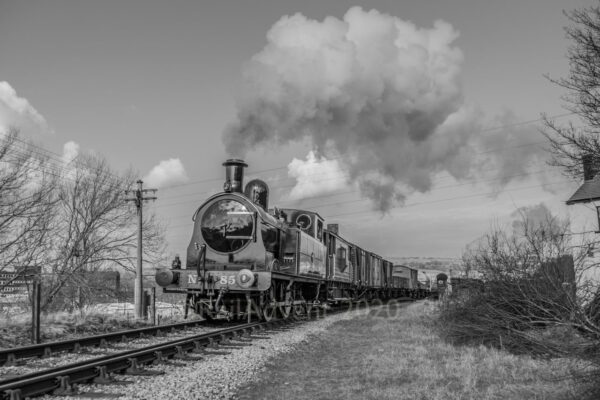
(60, 380)
(9, 357)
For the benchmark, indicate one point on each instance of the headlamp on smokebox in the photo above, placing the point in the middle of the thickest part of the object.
(227, 186)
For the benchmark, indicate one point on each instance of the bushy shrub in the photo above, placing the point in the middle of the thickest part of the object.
(532, 299)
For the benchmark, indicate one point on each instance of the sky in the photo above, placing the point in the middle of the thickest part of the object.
(413, 125)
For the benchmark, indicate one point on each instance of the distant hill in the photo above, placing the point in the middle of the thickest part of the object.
(444, 264)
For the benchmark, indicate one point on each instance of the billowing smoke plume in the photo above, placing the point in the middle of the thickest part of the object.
(378, 94)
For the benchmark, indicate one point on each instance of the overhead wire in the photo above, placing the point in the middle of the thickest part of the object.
(281, 187)
(485, 130)
(57, 165)
(26, 146)
(336, 203)
(46, 162)
(451, 198)
(481, 194)
(60, 165)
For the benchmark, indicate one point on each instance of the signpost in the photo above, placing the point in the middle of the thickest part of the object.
(14, 285)
(14, 288)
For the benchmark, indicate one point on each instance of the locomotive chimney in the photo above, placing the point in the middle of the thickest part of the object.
(234, 175)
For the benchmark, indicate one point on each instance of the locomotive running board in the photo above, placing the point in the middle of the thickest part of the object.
(296, 278)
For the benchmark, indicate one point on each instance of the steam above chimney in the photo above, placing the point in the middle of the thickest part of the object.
(234, 175)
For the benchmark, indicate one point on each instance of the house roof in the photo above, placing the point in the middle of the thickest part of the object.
(588, 192)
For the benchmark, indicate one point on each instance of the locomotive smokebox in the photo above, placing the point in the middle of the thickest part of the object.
(234, 175)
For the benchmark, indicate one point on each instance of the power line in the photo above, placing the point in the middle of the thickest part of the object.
(345, 176)
(25, 152)
(43, 152)
(210, 192)
(358, 190)
(485, 130)
(450, 199)
(416, 203)
(57, 159)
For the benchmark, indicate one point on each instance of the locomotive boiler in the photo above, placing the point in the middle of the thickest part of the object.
(245, 259)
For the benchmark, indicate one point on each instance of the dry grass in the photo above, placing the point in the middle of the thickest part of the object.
(395, 353)
(16, 330)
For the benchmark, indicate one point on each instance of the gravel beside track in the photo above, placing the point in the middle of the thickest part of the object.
(215, 376)
(60, 359)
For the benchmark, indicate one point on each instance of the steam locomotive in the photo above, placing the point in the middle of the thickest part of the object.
(245, 259)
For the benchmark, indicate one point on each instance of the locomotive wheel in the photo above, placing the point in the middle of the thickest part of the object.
(289, 309)
(288, 306)
(301, 309)
(268, 310)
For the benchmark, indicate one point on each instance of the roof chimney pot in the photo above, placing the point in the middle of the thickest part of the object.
(590, 167)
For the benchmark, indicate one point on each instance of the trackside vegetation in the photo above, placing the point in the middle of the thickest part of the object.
(534, 297)
(395, 352)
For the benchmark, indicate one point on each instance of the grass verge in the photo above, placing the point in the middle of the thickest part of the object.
(62, 326)
(394, 352)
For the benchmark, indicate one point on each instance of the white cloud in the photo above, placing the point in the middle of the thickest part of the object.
(70, 152)
(17, 112)
(166, 173)
(315, 177)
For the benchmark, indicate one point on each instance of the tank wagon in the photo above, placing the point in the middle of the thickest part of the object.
(245, 258)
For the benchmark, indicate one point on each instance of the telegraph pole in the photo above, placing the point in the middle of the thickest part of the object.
(138, 198)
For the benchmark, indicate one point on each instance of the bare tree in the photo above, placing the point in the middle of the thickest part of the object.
(27, 202)
(570, 143)
(94, 229)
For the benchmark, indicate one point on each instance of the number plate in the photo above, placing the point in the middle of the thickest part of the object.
(225, 280)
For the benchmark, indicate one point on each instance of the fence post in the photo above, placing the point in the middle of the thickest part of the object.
(35, 311)
(145, 303)
(153, 305)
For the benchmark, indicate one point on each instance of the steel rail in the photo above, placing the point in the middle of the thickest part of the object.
(10, 356)
(61, 378)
